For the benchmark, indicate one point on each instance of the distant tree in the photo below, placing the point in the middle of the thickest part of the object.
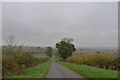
(10, 44)
(10, 41)
(11, 47)
(98, 52)
(65, 48)
(49, 51)
(38, 47)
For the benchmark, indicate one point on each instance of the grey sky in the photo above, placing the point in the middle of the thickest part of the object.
(45, 24)
(0, 23)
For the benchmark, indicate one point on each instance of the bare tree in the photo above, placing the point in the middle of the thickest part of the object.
(10, 41)
(11, 46)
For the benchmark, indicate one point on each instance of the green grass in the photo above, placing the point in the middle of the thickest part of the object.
(89, 71)
(38, 71)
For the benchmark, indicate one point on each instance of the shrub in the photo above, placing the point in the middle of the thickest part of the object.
(9, 66)
(99, 60)
(24, 60)
(18, 63)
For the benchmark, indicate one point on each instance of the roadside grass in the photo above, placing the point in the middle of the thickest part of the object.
(91, 72)
(38, 71)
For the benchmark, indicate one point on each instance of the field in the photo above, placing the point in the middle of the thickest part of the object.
(39, 55)
(34, 50)
(78, 52)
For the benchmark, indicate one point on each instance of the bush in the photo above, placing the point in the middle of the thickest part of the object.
(18, 63)
(24, 60)
(9, 66)
(99, 60)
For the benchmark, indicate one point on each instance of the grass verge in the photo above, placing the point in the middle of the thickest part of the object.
(91, 72)
(38, 71)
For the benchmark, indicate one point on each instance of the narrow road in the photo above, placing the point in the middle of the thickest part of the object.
(59, 71)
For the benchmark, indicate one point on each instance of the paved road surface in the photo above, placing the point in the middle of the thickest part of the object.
(59, 71)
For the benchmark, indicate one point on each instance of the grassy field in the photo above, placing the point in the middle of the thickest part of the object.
(89, 71)
(38, 71)
(39, 55)
(91, 52)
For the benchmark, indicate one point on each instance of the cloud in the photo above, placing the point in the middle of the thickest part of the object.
(46, 23)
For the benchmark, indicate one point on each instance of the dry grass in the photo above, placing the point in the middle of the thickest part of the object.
(92, 52)
(34, 51)
(39, 55)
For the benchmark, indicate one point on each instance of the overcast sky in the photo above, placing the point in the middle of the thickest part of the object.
(0, 24)
(45, 24)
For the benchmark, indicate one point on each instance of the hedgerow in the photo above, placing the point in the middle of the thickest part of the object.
(98, 60)
(18, 63)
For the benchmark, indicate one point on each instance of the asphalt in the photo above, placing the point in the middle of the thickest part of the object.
(59, 71)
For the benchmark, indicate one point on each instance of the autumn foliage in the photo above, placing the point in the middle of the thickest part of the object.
(98, 60)
(17, 63)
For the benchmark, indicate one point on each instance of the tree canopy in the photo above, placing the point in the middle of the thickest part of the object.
(65, 49)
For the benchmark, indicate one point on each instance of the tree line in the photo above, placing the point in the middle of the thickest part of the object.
(65, 47)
